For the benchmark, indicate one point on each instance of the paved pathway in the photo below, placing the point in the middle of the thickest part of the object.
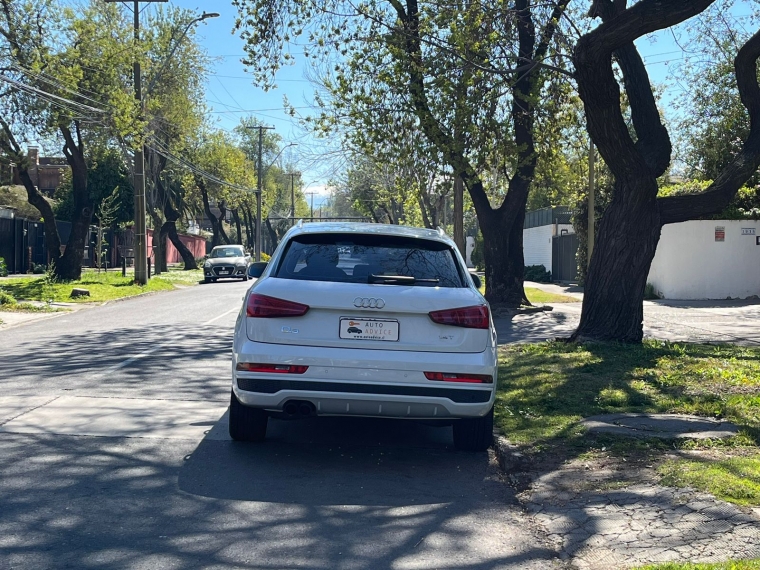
(730, 321)
(638, 524)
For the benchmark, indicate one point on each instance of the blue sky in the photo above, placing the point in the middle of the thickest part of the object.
(232, 95)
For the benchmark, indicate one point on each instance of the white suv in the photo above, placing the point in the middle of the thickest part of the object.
(365, 320)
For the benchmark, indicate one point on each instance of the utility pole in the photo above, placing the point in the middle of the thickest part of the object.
(259, 183)
(311, 218)
(293, 196)
(591, 206)
(141, 243)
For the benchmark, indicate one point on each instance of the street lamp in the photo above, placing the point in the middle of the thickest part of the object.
(167, 59)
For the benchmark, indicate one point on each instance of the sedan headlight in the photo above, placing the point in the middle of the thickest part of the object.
(207, 265)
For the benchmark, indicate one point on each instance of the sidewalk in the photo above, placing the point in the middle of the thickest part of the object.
(12, 319)
(735, 321)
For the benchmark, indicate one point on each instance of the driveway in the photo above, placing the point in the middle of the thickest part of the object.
(730, 321)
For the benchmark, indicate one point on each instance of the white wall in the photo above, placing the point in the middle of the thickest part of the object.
(469, 248)
(537, 246)
(690, 264)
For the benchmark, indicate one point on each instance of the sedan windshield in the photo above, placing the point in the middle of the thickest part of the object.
(227, 252)
(381, 259)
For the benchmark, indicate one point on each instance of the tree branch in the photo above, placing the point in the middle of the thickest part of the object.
(675, 209)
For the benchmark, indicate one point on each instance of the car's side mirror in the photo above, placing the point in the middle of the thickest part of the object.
(256, 269)
(476, 280)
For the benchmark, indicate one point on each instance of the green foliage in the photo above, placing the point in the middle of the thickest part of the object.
(6, 298)
(39, 269)
(3, 268)
(650, 292)
(14, 197)
(537, 273)
(729, 565)
(106, 171)
(736, 479)
(714, 122)
(745, 205)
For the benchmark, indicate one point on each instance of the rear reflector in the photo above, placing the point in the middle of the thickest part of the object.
(271, 368)
(261, 306)
(468, 378)
(469, 317)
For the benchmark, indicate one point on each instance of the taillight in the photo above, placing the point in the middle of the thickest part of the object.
(470, 317)
(469, 378)
(261, 306)
(271, 368)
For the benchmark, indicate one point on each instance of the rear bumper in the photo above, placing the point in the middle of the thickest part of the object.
(351, 382)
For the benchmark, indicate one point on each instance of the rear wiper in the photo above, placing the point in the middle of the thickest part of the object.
(400, 279)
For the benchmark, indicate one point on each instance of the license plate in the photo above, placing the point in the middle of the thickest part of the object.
(224, 273)
(369, 329)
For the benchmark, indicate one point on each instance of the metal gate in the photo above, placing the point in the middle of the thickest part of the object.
(564, 266)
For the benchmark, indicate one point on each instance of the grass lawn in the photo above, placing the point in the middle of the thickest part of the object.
(543, 297)
(546, 388)
(103, 286)
(537, 295)
(733, 565)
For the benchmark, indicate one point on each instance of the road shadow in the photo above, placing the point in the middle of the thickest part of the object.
(186, 361)
(338, 461)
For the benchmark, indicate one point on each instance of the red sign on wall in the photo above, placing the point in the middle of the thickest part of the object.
(720, 233)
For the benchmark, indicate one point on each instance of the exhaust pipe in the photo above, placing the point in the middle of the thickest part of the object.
(290, 409)
(306, 408)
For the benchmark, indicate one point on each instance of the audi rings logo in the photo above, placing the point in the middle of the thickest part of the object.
(369, 303)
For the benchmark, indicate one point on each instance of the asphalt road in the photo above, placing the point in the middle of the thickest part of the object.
(114, 453)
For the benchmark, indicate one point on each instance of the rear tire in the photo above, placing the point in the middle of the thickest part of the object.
(207, 280)
(246, 424)
(474, 434)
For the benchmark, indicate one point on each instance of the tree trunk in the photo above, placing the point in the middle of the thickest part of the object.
(236, 217)
(614, 292)
(459, 215)
(209, 214)
(272, 233)
(69, 266)
(159, 252)
(504, 273)
(249, 225)
(222, 216)
(10, 146)
(170, 229)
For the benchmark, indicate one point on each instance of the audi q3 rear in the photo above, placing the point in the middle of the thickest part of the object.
(365, 320)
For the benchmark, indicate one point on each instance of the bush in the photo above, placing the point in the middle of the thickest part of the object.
(3, 268)
(39, 269)
(537, 273)
(6, 298)
(265, 257)
(650, 292)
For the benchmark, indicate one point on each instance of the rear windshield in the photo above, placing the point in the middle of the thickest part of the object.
(370, 259)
